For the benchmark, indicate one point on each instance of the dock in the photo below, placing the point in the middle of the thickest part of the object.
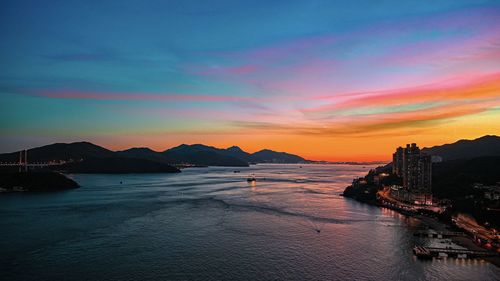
(430, 252)
(438, 234)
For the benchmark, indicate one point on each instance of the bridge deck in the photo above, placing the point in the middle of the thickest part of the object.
(30, 164)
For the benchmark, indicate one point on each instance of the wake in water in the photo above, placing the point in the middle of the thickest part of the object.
(313, 221)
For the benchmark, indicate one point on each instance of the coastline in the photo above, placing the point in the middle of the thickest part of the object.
(437, 225)
(464, 241)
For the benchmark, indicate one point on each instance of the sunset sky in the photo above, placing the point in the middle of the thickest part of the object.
(328, 81)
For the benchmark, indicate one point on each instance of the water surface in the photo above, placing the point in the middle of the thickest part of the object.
(210, 224)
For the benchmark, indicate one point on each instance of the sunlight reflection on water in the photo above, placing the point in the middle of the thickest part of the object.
(210, 223)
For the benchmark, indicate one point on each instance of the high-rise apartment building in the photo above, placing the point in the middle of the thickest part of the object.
(397, 162)
(415, 168)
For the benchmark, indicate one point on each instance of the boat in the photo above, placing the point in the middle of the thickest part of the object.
(237, 171)
(251, 179)
(422, 252)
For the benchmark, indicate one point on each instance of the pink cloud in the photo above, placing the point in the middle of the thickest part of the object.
(449, 43)
(443, 50)
(469, 89)
(252, 60)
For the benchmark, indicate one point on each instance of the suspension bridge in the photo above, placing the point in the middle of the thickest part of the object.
(24, 165)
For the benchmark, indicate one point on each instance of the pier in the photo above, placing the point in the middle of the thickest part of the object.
(439, 234)
(430, 252)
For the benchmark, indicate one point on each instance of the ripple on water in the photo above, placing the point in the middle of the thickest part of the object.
(210, 224)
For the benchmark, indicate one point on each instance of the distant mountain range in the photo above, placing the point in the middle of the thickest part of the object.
(199, 154)
(85, 157)
(466, 149)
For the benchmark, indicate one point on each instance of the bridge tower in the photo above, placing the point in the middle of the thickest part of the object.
(23, 160)
(20, 160)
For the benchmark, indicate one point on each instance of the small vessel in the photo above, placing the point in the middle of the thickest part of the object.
(422, 252)
(237, 171)
(251, 179)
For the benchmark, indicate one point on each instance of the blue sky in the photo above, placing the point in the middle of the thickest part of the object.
(161, 73)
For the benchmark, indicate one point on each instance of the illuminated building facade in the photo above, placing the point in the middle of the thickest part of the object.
(397, 162)
(415, 168)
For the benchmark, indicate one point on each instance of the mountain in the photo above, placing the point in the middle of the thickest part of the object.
(465, 162)
(61, 151)
(483, 146)
(192, 152)
(235, 151)
(199, 154)
(455, 178)
(85, 157)
(144, 153)
(269, 156)
(116, 165)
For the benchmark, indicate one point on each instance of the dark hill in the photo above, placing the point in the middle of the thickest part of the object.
(144, 153)
(269, 156)
(61, 151)
(85, 157)
(198, 154)
(455, 178)
(35, 181)
(483, 146)
(235, 151)
(117, 165)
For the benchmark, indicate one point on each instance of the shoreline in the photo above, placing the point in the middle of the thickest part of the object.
(463, 241)
(435, 224)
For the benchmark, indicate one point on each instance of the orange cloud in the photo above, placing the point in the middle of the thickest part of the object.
(471, 89)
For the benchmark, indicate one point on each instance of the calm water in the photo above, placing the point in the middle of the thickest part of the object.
(210, 224)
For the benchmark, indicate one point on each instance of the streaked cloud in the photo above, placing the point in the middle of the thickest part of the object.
(315, 78)
(472, 89)
(126, 96)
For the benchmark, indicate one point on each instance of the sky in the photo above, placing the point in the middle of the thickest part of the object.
(328, 80)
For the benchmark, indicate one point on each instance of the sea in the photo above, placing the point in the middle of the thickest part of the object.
(211, 224)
